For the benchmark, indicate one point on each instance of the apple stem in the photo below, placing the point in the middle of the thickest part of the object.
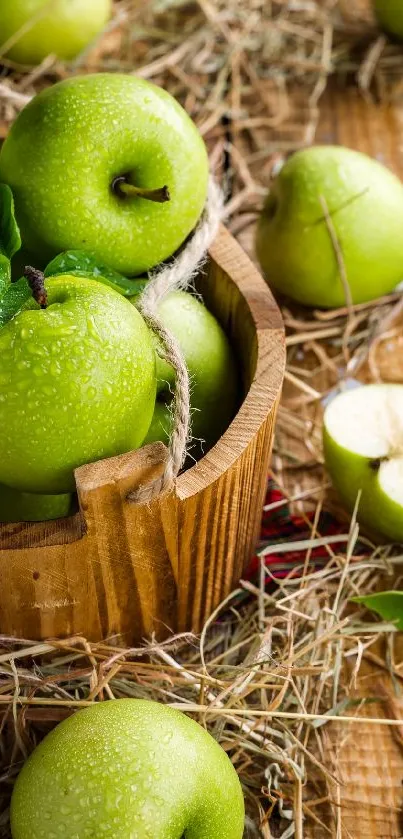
(36, 282)
(121, 187)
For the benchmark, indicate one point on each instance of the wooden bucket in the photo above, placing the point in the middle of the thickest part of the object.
(117, 568)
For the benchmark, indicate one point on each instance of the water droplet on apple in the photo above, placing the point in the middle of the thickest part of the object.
(48, 390)
(92, 327)
(35, 349)
(65, 331)
(22, 384)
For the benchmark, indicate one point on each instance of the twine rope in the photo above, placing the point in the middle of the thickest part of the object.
(178, 275)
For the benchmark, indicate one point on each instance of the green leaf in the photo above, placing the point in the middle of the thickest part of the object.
(10, 239)
(388, 604)
(140, 286)
(13, 299)
(5, 273)
(83, 264)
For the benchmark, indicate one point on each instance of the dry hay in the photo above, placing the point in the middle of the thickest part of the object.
(268, 675)
(282, 658)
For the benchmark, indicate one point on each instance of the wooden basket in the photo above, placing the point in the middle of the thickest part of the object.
(117, 568)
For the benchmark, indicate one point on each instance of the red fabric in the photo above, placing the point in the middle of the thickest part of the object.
(279, 526)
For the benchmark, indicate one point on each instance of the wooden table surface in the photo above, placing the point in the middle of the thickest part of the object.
(369, 757)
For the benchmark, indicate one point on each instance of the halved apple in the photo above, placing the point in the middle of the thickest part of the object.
(363, 448)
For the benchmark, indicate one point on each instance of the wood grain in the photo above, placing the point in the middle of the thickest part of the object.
(117, 568)
(369, 758)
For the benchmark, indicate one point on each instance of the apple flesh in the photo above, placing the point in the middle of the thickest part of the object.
(363, 447)
(365, 203)
(78, 152)
(128, 768)
(30, 30)
(212, 369)
(77, 384)
(23, 506)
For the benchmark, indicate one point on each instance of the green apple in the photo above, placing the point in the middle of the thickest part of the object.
(77, 383)
(92, 162)
(128, 769)
(211, 365)
(365, 204)
(32, 29)
(23, 506)
(162, 421)
(363, 447)
(390, 16)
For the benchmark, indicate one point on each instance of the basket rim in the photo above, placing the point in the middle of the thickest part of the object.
(267, 382)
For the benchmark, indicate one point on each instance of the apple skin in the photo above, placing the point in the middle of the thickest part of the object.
(212, 369)
(365, 201)
(390, 16)
(77, 384)
(125, 768)
(351, 473)
(161, 426)
(23, 506)
(62, 27)
(68, 146)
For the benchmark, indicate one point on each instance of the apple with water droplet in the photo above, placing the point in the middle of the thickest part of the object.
(330, 204)
(106, 163)
(212, 368)
(128, 768)
(30, 30)
(77, 382)
(363, 447)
